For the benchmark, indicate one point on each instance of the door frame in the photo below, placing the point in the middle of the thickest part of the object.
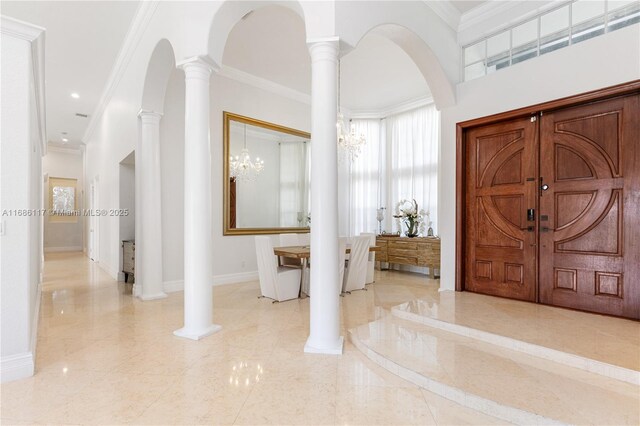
(461, 160)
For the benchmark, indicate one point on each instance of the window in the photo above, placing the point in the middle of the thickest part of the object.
(562, 26)
(399, 161)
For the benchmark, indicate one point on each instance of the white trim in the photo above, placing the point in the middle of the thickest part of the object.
(491, 9)
(141, 20)
(62, 249)
(14, 367)
(34, 320)
(19, 29)
(36, 36)
(241, 277)
(264, 84)
(393, 110)
(73, 151)
(173, 286)
(113, 273)
(447, 12)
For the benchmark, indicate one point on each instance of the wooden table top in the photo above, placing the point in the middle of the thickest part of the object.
(304, 252)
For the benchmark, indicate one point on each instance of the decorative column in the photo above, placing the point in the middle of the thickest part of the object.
(324, 333)
(198, 302)
(150, 205)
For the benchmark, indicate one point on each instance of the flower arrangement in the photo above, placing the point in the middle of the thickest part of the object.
(408, 212)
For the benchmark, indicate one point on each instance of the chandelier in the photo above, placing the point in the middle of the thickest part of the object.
(348, 141)
(241, 167)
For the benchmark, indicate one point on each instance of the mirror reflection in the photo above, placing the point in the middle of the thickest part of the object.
(267, 176)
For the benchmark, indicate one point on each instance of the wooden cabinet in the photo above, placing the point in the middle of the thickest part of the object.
(128, 258)
(418, 251)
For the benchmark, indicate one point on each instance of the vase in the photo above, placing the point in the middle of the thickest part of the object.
(412, 228)
(430, 232)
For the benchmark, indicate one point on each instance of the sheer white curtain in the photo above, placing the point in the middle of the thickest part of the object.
(366, 178)
(293, 181)
(412, 162)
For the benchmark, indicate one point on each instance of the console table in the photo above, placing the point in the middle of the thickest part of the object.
(418, 251)
(128, 259)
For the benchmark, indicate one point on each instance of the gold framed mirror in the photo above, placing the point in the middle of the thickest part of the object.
(266, 178)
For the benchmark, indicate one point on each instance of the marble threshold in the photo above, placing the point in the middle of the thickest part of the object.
(602, 345)
(497, 381)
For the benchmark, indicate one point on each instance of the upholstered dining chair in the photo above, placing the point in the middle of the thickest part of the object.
(371, 261)
(356, 270)
(287, 240)
(304, 239)
(279, 283)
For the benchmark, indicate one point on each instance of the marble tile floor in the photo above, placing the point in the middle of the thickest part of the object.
(104, 357)
(603, 338)
(511, 385)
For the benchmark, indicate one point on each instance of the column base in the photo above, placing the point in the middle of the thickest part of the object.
(197, 334)
(156, 296)
(335, 349)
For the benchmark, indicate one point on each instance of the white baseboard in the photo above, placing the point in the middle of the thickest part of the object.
(60, 249)
(14, 367)
(240, 277)
(173, 286)
(113, 273)
(178, 285)
(34, 322)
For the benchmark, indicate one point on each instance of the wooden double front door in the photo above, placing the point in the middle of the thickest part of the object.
(552, 207)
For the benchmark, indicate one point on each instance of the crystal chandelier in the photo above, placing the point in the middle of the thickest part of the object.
(241, 167)
(348, 141)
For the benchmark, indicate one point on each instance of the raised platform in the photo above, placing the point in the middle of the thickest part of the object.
(501, 382)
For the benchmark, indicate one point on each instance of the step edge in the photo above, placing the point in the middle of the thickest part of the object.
(590, 365)
(466, 399)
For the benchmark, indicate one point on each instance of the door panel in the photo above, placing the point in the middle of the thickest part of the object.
(500, 187)
(589, 258)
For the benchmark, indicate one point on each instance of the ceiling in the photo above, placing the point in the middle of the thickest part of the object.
(82, 41)
(464, 6)
(376, 75)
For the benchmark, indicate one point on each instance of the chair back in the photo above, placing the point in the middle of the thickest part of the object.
(287, 240)
(357, 270)
(342, 255)
(372, 242)
(267, 267)
(304, 239)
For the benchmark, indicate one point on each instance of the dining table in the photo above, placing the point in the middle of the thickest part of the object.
(304, 253)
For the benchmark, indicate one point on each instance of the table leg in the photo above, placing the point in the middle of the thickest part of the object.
(305, 266)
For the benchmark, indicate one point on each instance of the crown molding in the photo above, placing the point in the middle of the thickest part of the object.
(445, 11)
(392, 110)
(66, 150)
(141, 20)
(35, 35)
(491, 9)
(19, 29)
(264, 84)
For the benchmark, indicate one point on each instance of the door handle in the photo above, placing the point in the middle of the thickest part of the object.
(531, 215)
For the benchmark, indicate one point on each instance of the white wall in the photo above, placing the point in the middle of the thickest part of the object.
(234, 257)
(21, 190)
(593, 64)
(64, 236)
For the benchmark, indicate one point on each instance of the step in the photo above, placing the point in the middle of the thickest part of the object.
(530, 329)
(500, 382)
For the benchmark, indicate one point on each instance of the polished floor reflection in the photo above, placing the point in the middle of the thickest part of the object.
(104, 357)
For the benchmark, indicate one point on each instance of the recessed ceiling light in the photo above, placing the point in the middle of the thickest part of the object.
(65, 140)
(74, 95)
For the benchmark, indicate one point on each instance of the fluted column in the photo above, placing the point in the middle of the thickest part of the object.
(149, 254)
(198, 302)
(324, 333)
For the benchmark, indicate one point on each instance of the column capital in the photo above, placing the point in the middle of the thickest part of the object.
(149, 116)
(198, 66)
(324, 48)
